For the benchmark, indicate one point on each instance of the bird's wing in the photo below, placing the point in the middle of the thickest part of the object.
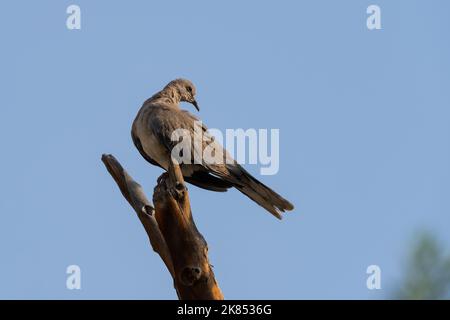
(163, 123)
(216, 176)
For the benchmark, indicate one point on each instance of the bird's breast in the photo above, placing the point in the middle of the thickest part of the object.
(152, 147)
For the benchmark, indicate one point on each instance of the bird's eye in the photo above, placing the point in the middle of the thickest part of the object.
(189, 89)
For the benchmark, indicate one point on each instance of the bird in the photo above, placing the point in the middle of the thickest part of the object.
(151, 132)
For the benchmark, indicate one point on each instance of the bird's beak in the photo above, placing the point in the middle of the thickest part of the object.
(195, 105)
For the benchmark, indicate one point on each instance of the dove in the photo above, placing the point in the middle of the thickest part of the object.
(152, 134)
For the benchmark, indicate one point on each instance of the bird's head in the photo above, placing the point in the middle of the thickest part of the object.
(185, 90)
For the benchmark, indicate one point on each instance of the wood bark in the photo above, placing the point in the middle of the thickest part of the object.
(171, 230)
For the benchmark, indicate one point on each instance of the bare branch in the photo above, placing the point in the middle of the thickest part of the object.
(171, 230)
(133, 193)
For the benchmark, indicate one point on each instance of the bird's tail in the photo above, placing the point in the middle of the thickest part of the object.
(262, 194)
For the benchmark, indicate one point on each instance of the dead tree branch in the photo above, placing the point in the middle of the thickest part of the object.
(171, 230)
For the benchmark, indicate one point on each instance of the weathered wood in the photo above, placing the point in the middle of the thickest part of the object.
(171, 230)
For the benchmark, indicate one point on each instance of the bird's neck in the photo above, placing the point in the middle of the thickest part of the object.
(167, 95)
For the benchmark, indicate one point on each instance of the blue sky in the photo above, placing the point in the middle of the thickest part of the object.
(364, 129)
